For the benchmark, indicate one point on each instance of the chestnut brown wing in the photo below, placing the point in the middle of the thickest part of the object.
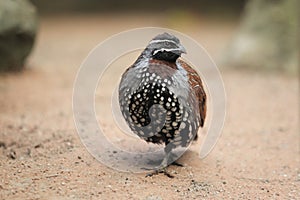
(197, 86)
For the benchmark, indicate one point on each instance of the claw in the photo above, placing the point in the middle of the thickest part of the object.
(162, 170)
(177, 164)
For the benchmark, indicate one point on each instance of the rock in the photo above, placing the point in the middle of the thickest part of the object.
(18, 26)
(267, 38)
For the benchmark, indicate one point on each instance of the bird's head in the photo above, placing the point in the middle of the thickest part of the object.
(165, 47)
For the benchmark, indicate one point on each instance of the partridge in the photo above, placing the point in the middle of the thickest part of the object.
(162, 98)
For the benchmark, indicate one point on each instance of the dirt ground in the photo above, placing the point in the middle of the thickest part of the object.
(41, 156)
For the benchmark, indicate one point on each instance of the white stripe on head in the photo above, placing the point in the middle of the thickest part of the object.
(159, 41)
(164, 49)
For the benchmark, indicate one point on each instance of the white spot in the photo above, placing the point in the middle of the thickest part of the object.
(186, 114)
(177, 143)
(157, 121)
(178, 138)
(174, 123)
(183, 125)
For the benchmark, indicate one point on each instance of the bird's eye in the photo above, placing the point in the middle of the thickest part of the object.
(167, 44)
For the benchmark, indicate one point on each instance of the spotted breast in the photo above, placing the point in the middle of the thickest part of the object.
(161, 97)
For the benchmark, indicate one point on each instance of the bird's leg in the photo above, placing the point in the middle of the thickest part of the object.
(162, 168)
(164, 163)
(174, 157)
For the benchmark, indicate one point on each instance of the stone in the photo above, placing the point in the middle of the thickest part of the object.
(18, 27)
(267, 38)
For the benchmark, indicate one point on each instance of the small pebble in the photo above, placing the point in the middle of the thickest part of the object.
(12, 155)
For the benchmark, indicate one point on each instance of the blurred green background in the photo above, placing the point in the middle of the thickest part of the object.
(255, 34)
(221, 8)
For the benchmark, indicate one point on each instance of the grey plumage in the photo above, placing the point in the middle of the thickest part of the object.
(157, 99)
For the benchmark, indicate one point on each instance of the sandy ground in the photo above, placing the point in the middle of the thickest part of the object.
(41, 156)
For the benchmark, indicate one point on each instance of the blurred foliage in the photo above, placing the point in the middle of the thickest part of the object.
(268, 38)
(229, 7)
(18, 26)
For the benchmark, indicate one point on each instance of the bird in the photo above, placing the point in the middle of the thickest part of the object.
(162, 98)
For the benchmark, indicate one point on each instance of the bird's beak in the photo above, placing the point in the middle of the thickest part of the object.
(181, 48)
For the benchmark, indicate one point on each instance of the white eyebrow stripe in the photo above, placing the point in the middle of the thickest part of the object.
(164, 49)
(158, 41)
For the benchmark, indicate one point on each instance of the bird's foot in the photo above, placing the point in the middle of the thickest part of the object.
(174, 157)
(160, 170)
(177, 164)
